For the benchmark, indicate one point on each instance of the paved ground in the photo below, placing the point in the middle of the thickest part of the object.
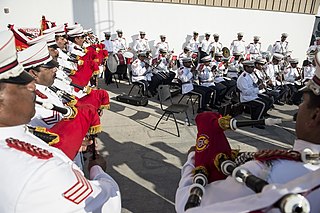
(146, 163)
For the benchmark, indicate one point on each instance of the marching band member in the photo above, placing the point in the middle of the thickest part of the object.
(249, 91)
(275, 77)
(120, 43)
(216, 44)
(206, 78)
(204, 45)
(163, 44)
(274, 170)
(185, 54)
(219, 67)
(108, 44)
(141, 44)
(186, 77)
(161, 72)
(254, 48)
(308, 71)
(291, 76)
(238, 45)
(313, 48)
(282, 46)
(48, 173)
(76, 39)
(194, 42)
(141, 72)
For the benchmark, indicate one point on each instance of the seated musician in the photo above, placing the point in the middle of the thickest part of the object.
(206, 78)
(249, 93)
(274, 168)
(142, 72)
(275, 76)
(186, 76)
(49, 176)
(185, 54)
(219, 68)
(161, 72)
(291, 80)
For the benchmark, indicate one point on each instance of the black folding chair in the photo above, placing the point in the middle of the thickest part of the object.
(164, 94)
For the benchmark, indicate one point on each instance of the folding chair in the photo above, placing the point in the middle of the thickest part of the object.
(164, 94)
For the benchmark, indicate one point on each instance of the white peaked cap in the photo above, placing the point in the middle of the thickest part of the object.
(48, 38)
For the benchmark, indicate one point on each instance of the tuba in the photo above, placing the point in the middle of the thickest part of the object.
(225, 52)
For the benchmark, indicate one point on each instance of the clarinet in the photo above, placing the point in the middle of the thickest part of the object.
(66, 111)
(61, 93)
(69, 82)
(294, 203)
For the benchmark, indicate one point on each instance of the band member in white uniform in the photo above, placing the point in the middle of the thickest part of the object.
(162, 44)
(238, 45)
(254, 48)
(282, 46)
(216, 44)
(141, 44)
(204, 45)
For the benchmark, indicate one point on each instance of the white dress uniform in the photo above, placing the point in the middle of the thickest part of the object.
(120, 44)
(139, 71)
(238, 46)
(281, 47)
(254, 50)
(162, 64)
(141, 45)
(63, 60)
(108, 45)
(44, 179)
(290, 75)
(75, 49)
(205, 44)
(194, 45)
(45, 117)
(182, 56)
(220, 71)
(186, 77)
(217, 46)
(161, 45)
(205, 75)
(281, 172)
(271, 71)
(249, 89)
(308, 72)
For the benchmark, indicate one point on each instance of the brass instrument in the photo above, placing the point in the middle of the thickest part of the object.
(226, 52)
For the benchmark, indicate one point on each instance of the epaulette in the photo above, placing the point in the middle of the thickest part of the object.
(244, 74)
(29, 148)
(251, 43)
(137, 38)
(181, 68)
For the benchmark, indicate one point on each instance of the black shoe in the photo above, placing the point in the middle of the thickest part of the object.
(266, 115)
(279, 103)
(259, 126)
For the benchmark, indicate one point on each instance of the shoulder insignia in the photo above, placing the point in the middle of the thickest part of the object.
(251, 43)
(181, 68)
(40, 94)
(137, 38)
(244, 74)
(28, 148)
(80, 190)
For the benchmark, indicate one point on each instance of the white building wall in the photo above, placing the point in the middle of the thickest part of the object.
(175, 20)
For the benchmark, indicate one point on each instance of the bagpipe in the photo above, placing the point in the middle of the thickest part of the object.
(68, 81)
(215, 160)
(66, 111)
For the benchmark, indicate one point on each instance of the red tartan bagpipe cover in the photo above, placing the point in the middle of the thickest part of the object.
(72, 131)
(212, 145)
(86, 69)
(102, 53)
(20, 40)
(98, 98)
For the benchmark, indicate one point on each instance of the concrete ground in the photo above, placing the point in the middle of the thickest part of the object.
(146, 163)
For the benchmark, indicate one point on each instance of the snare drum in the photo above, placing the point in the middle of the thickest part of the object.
(120, 59)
